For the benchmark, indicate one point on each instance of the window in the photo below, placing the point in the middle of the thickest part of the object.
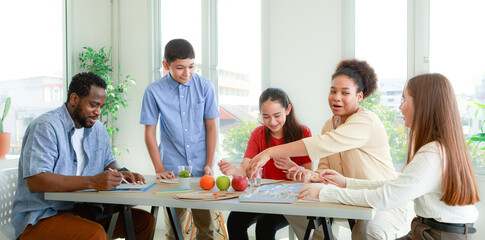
(383, 45)
(187, 27)
(239, 48)
(456, 51)
(452, 46)
(233, 59)
(32, 59)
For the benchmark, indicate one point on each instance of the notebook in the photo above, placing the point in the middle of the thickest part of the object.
(132, 187)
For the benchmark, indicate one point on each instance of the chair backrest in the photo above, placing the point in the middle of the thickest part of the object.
(8, 186)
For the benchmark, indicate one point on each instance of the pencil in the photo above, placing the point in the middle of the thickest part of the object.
(122, 178)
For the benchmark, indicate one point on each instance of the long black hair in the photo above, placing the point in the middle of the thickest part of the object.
(292, 129)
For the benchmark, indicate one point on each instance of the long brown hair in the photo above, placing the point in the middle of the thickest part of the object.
(436, 118)
(292, 129)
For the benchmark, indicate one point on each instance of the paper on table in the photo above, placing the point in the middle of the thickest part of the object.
(132, 186)
(169, 181)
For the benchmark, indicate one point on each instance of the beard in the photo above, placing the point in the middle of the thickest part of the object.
(83, 121)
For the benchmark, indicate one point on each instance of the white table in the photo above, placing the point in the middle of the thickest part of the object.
(324, 211)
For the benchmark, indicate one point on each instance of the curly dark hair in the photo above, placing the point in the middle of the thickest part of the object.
(361, 72)
(81, 84)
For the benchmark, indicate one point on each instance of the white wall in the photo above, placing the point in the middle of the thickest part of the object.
(89, 25)
(304, 49)
(134, 40)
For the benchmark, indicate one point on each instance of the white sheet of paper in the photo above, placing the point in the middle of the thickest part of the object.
(133, 186)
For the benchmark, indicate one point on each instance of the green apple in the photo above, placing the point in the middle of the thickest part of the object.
(223, 183)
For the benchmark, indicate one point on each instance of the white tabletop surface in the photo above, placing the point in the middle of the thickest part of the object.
(150, 198)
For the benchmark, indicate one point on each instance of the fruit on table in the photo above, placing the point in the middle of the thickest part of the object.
(207, 182)
(223, 183)
(239, 183)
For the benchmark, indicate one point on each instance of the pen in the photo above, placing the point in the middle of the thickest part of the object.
(122, 178)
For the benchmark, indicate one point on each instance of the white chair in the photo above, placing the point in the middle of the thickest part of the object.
(8, 186)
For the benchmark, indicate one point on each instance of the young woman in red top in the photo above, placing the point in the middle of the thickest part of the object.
(280, 126)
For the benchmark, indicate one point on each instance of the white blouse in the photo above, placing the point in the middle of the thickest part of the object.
(420, 181)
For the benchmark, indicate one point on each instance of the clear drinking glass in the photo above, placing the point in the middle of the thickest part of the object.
(186, 168)
(256, 181)
(185, 181)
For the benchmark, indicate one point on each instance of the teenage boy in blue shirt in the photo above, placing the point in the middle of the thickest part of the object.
(186, 105)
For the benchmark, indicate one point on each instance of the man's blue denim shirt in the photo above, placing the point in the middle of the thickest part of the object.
(47, 147)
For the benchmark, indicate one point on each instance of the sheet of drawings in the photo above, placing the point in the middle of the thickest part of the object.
(274, 193)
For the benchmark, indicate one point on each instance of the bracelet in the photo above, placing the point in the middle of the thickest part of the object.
(123, 169)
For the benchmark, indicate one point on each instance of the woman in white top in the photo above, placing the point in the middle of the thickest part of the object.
(438, 175)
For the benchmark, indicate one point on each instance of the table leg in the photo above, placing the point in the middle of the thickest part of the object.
(127, 223)
(314, 222)
(112, 224)
(327, 228)
(351, 223)
(154, 212)
(174, 221)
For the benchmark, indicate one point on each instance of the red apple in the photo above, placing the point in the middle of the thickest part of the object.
(239, 183)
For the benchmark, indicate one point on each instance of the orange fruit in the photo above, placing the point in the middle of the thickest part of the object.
(207, 182)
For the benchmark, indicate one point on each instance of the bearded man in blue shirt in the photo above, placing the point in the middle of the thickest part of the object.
(67, 149)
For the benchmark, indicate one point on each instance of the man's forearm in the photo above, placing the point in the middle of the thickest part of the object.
(51, 182)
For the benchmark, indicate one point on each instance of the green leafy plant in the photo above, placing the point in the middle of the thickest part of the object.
(99, 62)
(236, 140)
(395, 131)
(184, 174)
(477, 150)
(5, 112)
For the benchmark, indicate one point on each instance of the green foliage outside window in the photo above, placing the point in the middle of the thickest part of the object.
(476, 144)
(236, 140)
(395, 131)
(99, 62)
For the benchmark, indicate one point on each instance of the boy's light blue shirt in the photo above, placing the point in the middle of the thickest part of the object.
(47, 147)
(182, 110)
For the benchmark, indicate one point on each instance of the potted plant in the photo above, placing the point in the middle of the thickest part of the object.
(4, 136)
(99, 62)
